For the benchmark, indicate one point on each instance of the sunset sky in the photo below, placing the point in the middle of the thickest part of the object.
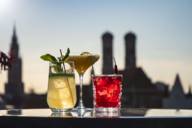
(163, 29)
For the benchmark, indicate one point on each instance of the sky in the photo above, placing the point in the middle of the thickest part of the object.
(163, 29)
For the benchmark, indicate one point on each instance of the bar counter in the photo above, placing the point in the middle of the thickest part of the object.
(127, 118)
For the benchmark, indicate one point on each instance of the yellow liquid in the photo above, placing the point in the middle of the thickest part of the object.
(61, 91)
(83, 62)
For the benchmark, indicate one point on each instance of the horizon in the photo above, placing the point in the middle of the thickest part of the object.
(162, 28)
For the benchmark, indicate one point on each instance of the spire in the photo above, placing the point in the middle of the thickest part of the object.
(189, 94)
(14, 50)
(14, 88)
(177, 81)
(177, 89)
(14, 36)
(14, 29)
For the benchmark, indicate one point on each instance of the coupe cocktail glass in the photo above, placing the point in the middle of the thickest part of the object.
(61, 95)
(82, 63)
(107, 92)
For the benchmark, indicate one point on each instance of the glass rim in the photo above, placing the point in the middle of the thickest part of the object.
(102, 75)
(84, 55)
(62, 74)
(65, 62)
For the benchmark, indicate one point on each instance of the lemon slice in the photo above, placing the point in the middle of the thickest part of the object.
(85, 54)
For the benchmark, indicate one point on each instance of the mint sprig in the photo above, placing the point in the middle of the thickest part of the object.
(57, 62)
(50, 58)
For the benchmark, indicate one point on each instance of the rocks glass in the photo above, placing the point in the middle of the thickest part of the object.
(61, 95)
(107, 91)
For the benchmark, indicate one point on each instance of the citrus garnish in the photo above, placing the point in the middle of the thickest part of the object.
(85, 54)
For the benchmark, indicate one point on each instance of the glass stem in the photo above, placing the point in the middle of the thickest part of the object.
(81, 92)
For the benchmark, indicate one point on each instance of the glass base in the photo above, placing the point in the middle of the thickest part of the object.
(107, 112)
(61, 114)
(81, 112)
(66, 110)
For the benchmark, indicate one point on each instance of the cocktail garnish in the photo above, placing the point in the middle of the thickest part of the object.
(50, 58)
(56, 61)
(115, 66)
(63, 58)
(85, 53)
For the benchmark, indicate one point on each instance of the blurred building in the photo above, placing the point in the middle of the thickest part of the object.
(107, 47)
(137, 90)
(177, 97)
(14, 88)
(14, 96)
(189, 94)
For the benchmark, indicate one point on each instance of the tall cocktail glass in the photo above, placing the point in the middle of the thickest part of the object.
(82, 63)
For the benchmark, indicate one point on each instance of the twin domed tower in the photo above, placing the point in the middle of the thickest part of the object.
(138, 89)
(130, 52)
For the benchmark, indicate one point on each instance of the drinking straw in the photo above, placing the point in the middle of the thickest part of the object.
(66, 77)
(115, 66)
(92, 71)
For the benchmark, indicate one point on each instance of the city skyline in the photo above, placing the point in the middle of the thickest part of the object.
(163, 36)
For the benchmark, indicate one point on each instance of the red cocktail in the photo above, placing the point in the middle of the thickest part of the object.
(107, 91)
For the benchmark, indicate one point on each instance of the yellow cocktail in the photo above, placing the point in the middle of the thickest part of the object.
(61, 94)
(82, 63)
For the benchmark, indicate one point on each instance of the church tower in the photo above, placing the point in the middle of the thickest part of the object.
(130, 51)
(177, 89)
(14, 88)
(107, 40)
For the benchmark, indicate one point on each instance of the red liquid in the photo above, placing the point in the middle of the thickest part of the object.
(107, 91)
